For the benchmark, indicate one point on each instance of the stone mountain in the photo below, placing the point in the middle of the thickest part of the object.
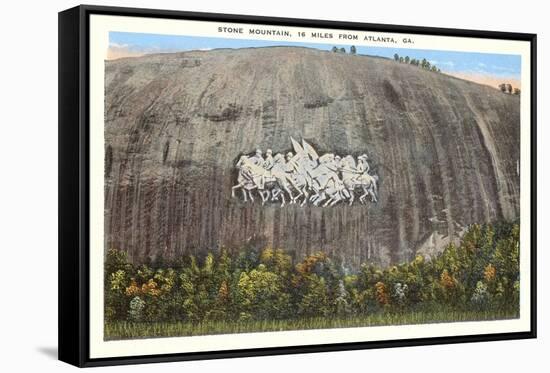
(446, 151)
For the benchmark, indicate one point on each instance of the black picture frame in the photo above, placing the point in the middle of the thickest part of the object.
(74, 235)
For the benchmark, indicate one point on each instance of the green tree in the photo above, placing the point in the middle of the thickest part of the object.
(159, 294)
(247, 259)
(407, 59)
(396, 57)
(117, 272)
(314, 300)
(261, 295)
(416, 280)
(509, 88)
(318, 276)
(352, 50)
(277, 261)
(424, 63)
(116, 260)
(116, 305)
(506, 263)
(367, 278)
(193, 290)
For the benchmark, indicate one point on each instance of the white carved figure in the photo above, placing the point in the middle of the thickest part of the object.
(278, 172)
(257, 158)
(304, 176)
(246, 179)
(268, 162)
(363, 165)
(337, 162)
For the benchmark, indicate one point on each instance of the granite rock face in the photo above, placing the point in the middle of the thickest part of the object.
(446, 152)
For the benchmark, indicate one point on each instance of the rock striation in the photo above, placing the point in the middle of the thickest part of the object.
(446, 151)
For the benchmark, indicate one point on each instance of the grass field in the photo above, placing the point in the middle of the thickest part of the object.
(130, 330)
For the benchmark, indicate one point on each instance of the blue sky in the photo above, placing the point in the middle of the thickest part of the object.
(455, 63)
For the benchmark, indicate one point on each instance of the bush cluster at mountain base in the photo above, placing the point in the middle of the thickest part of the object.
(251, 290)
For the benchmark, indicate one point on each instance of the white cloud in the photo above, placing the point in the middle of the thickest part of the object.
(501, 68)
(441, 63)
(112, 44)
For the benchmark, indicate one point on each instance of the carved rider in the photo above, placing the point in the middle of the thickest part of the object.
(257, 158)
(268, 163)
(338, 163)
(363, 165)
(278, 158)
(291, 165)
(332, 162)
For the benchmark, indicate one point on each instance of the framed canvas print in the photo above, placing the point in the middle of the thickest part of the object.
(236, 185)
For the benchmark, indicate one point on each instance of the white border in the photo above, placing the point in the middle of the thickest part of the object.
(100, 26)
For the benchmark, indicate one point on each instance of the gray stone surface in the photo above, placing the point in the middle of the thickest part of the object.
(445, 149)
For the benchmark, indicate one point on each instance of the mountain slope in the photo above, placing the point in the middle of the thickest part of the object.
(446, 151)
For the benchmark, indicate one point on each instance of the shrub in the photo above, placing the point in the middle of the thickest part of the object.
(136, 309)
(481, 273)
